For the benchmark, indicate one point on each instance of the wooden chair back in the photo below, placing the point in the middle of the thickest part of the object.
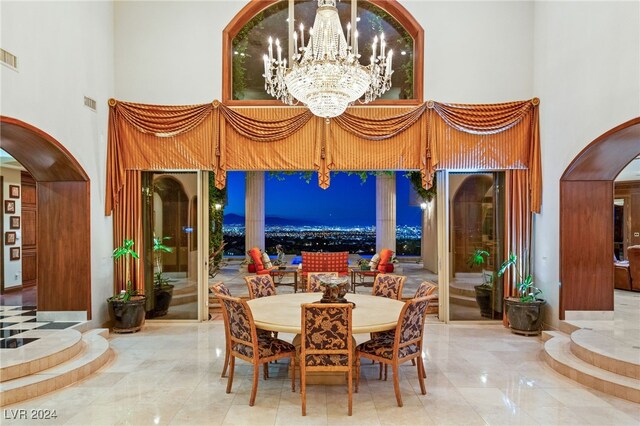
(388, 285)
(410, 329)
(260, 286)
(425, 288)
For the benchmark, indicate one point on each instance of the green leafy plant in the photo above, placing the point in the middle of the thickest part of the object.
(527, 292)
(125, 251)
(478, 258)
(416, 182)
(158, 248)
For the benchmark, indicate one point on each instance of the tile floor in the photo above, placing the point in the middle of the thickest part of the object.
(477, 374)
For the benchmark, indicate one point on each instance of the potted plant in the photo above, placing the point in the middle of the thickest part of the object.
(126, 309)
(524, 312)
(163, 290)
(363, 264)
(484, 292)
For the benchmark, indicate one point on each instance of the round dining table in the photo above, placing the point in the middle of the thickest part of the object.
(282, 312)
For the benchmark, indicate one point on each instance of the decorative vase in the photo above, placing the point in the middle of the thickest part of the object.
(127, 317)
(524, 317)
(334, 290)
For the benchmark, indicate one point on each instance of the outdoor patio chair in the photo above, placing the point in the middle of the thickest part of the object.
(260, 286)
(314, 279)
(326, 344)
(389, 285)
(405, 345)
(246, 344)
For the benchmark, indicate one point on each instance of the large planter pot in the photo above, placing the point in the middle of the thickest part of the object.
(524, 317)
(127, 317)
(485, 300)
(163, 297)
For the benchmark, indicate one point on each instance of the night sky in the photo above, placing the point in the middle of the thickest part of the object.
(346, 202)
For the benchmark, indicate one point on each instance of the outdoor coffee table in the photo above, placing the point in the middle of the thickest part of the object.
(277, 274)
(282, 313)
(358, 277)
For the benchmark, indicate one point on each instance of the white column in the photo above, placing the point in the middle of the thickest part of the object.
(429, 246)
(386, 212)
(254, 210)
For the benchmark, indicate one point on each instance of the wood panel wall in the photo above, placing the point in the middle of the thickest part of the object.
(588, 266)
(64, 274)
(29, 230)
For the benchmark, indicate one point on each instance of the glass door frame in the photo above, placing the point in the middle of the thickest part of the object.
(443, 208)
(202, 219)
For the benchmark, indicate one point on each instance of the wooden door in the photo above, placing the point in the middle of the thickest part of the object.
(29, 230)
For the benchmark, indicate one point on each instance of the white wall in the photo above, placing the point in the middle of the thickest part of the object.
(12, 268)
(65, 51)
(170, 52)
(587, 75)
(476, 51)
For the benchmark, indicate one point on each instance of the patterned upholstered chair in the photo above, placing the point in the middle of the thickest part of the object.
(405, 345)
(260, 286)
(426, 288)
(246, 344)
(314, 279)
(388, 285)
(326, 343)
(220, 289)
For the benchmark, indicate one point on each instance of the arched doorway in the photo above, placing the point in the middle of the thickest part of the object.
(63, 237)
(171, 217)
(586, 191)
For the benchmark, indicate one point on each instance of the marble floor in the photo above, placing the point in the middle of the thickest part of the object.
(477, 374)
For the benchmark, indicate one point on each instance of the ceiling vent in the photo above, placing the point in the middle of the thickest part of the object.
(90, 103)
(9, 59)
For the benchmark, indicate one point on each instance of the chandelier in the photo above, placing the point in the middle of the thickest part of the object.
(326, 75)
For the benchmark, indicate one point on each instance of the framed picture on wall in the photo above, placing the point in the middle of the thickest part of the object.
(14, 253)
(9, 206)
(14, 191)
(14, 222)
(9, 238)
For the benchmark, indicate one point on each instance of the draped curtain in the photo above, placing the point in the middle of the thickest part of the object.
(433, 136)
(127, 225)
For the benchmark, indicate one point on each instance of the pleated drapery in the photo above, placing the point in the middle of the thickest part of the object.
(518, 226)
(127, 225)
(488, 137)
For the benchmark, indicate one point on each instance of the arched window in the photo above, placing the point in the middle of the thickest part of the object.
(245, 42)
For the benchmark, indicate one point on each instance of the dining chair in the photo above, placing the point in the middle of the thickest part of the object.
(426, 288)
(314, 280)
(405, 345)
(388, 285)
(220, 289)
(326, 344)
(246, 344)
(260, 286)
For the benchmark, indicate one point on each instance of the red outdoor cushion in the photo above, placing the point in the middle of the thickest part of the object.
(256, 256)
(325, 262)
(385, 259)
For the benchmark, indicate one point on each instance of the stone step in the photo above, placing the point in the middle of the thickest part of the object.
(606, 352)
(456, 299)
(558, 355)
(182, 299)
(188, 289)
(462, 291)
(40, 354)
(94, 354)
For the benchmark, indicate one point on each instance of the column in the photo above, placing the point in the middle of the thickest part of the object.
(429, 246)
(254, 210)
(386, 212)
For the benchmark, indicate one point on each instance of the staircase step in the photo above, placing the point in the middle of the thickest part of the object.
(94, 354)
(558, 355)
(463, 300)
(462, 291)
(183, 299)
(41, 354)
(606, 352)
(188, 289)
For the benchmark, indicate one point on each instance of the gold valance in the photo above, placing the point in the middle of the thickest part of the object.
(221, 138)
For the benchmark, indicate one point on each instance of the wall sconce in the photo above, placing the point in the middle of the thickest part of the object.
(423, 206)
(217, 206)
